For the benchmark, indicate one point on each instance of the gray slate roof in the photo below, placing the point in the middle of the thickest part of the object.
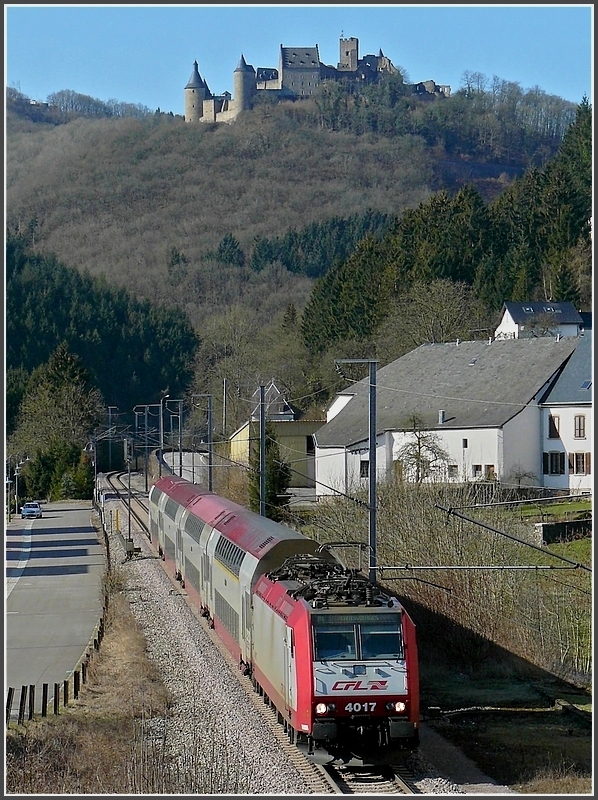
(563, 313)
(195, 81)
(243, 66)
(478, 385)
(300, 57)
(577, 372)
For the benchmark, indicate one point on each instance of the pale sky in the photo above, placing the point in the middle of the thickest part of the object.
(143, 53)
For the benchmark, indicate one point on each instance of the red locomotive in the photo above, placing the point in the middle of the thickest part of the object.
(333, 653)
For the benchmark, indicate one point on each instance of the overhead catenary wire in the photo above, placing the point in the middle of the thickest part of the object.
(550, 499)
(544, 550)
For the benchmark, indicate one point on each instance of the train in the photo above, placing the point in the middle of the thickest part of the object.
(330, 651)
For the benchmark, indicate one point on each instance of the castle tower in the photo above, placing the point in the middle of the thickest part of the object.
(243, 85)
(348, 54)
(195, 94)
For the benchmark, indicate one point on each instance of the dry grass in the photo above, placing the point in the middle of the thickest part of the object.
(531, 751)
(559, 780)
(115, 738)
(122, 679)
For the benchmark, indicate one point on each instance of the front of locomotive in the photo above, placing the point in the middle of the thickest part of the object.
(365, 683)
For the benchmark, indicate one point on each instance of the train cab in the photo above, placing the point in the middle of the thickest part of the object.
(348, 683)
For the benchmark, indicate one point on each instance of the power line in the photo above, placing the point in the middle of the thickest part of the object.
(544, 550)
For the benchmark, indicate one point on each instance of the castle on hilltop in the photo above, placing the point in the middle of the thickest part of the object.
(299, 75)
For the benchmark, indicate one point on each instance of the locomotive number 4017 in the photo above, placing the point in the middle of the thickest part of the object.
(363, 708)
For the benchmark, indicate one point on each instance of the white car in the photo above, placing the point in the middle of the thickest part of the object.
(31, 510)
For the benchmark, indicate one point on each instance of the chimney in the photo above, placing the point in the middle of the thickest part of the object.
(441, 416)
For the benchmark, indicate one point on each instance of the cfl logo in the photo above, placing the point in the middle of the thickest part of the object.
(358, 686)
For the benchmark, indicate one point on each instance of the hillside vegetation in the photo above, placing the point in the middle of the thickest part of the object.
(302, 232)
(139, 346)
(116, 191)
(531, 242)
(116, 196)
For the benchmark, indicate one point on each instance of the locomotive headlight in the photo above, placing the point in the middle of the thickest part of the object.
(321, 708)
(397, 705)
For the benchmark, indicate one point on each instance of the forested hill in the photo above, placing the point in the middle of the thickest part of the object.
(209, 215)
(533, 241)
(132, 350)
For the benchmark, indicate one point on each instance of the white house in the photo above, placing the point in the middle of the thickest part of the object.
(567, 425)
(531, 319)
(479, 401)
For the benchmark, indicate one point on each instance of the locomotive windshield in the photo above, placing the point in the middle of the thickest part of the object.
(357, 637)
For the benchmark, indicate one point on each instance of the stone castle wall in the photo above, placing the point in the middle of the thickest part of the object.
(300, 74)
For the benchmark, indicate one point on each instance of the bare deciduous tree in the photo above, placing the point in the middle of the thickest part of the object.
(422, 457)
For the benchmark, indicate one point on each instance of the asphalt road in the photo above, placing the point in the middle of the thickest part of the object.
(53, 596)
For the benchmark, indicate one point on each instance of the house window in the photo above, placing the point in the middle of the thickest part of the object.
(465, 444)
(553, 463)
(453, 471)
(553, 426)
(581, 463)
(364, 469)
(580, 426)
(477, 470)
(490, 473)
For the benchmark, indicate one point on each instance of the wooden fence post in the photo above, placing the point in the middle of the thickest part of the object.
(22, 703)
(56, 699)
(44, 699)
(31, 701)
(76, 683)
(66, 693)
(9, 699)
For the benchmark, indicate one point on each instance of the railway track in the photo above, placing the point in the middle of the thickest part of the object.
(322, 779)
(372, 780)
(139, 512)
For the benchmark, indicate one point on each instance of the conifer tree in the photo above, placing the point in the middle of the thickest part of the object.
(563, 286)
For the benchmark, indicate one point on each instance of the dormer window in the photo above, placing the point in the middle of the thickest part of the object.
(528, 309)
